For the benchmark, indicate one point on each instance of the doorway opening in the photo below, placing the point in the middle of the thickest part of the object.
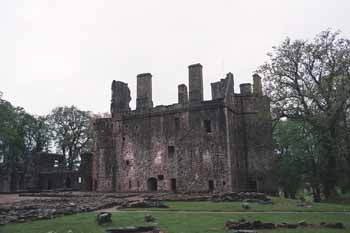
(211, 186)
(252, 185)
(68, 183)
(49, 184)
(152, 184)
(173, 185)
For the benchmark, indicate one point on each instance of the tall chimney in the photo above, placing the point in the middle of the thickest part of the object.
(144, 91)
(257, 86)
(182, 94)
(245, 88)
(195, 81)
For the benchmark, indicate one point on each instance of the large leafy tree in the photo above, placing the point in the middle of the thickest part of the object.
(299, 162)
(38, 134)
(21, 135)
(11, 140)
(309, 81)
(72, 132)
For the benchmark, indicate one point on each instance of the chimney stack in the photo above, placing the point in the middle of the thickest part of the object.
(182, 94)
(245, 88)
(144, 91)
(195, 81)
(257, 86)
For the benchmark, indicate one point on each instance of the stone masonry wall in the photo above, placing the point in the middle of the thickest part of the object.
(224, 144)
(173, 146)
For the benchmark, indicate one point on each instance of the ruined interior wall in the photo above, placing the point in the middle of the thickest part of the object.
(60, 180)
(47, 171)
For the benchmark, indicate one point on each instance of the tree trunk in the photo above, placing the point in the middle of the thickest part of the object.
(330, 177)
(316, 194)
(70, 159)
(293, 195)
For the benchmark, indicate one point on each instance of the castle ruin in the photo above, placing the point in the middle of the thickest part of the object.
(220, 145)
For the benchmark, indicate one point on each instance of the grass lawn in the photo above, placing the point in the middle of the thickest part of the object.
(193, 222)
(173, 222)
(280, 204)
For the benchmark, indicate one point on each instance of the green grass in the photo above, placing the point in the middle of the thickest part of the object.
(342, 199)
(196, 221)
(174, 222)
(280, 204)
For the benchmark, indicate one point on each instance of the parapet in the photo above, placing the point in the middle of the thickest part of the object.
(223, 88)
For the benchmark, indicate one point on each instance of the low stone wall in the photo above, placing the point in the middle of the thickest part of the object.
(52, 204)
(241, 196)
(259, 225)
(35, 209)
(215, 197)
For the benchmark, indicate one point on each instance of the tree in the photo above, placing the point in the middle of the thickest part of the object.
(37, 133)
(310, 81)
(16, 144)
(11, 144)
(72, 132)
(298, 160)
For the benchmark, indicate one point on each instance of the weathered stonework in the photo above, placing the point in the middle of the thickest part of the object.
(47, 171)
(224, 144)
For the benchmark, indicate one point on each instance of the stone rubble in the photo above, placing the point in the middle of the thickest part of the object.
(29, 210)
(259, 225)
(337, 225)
(241, 196)
(149, 218)
(145, 203)
(103, 218)
(242, 231)
(135, 229)
(247, 225)
(48, 205)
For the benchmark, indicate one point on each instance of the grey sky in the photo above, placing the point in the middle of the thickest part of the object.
(67, 52)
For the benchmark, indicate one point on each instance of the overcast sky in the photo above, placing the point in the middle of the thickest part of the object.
(67, 52)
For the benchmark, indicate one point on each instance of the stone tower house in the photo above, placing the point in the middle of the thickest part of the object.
(224, 144)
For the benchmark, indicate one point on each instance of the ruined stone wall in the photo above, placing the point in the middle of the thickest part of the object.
(193, 146)
(47, 171)
(85, 172)
(5, 181)
(59, 180)
(238, 150)
(120, 97)
(257, 135)
(174, 145)
(104, 164)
